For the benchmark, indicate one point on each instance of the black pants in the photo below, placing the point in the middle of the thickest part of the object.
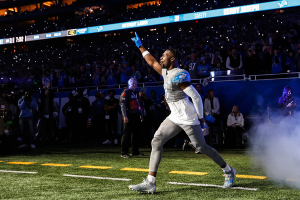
(131, 129)
(112, 128)
(99, 128)
(233, 135)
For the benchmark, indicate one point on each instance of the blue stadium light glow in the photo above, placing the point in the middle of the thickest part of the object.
(165, 20)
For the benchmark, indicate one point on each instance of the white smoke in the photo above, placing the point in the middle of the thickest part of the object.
(276, 146)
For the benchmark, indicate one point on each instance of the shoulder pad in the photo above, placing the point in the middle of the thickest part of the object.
(182, 77)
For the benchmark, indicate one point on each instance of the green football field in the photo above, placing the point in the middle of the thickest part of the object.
(73, 173)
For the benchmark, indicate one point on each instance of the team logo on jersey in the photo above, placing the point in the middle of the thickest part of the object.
(133, 96)
(182, 77)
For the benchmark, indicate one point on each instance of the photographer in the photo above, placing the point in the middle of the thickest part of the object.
(286, 102)
(27, 106)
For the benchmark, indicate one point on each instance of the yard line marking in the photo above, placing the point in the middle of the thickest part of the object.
(95, 177)
(95, 167)
(22, 172)
(210, 185)
(56, 165)
(135, 169)
(21, 163)
(187, 172)
(250, 176)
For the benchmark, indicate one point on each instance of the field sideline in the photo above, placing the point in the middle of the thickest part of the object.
(100, 173)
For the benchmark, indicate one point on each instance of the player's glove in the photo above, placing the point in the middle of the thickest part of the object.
(137, 40)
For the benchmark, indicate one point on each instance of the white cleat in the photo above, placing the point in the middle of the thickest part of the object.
(145, 186)
(107, 142)
(229, 178)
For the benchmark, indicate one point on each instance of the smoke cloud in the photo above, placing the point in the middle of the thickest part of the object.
(276, 146)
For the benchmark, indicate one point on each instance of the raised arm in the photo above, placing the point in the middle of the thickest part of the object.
(148, 57)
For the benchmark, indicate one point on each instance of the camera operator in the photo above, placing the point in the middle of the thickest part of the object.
(27, 106)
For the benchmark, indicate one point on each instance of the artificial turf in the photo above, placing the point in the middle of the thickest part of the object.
(49, 182)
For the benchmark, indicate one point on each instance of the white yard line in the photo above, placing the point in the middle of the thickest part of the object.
(21, 172)
(210, 185)
(95, 177)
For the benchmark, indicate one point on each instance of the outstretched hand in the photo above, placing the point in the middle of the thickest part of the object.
(137, 40)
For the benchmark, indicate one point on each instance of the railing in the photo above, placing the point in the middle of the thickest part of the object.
(212, 78)
(281, 76)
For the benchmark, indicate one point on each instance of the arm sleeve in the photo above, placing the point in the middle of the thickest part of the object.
(33, 104)
(123, 102)
(192, 92)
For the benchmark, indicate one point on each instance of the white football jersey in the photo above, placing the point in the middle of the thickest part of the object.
(182, 109)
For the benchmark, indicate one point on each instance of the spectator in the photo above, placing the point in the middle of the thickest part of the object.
(149, 77)
(276, 62)
(111, 108)
(61, 76)
(252, 63)
(124, 70)
(289, 64)
(191, 65)
(212, 106)
(111, 75)
(297, 59)
(235, 124)
(155, 112)
(27, 106)
(135, 74)
(82, 77)
(96, 76)
(267, 59)
(234, 61)
(199, 90)
(203, 70)
(217, 59)
(102, 78)
(98, 118)
(286, 102)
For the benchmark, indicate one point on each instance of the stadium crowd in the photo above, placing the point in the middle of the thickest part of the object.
(108, 15)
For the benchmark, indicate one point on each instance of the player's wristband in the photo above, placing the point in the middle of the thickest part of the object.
(145, 53)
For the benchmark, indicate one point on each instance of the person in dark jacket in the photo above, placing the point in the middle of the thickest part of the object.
(286, 102)
(27, 106)
(83, 112)
(69, 110)
(132, 116)
(252, 63)
(97, 114)
(46, 114)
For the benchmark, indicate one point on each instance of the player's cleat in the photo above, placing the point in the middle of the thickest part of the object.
(125, 156)
(107, 142)
(185, 145)
(22, 146)
(229, 178)
(145, 186)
